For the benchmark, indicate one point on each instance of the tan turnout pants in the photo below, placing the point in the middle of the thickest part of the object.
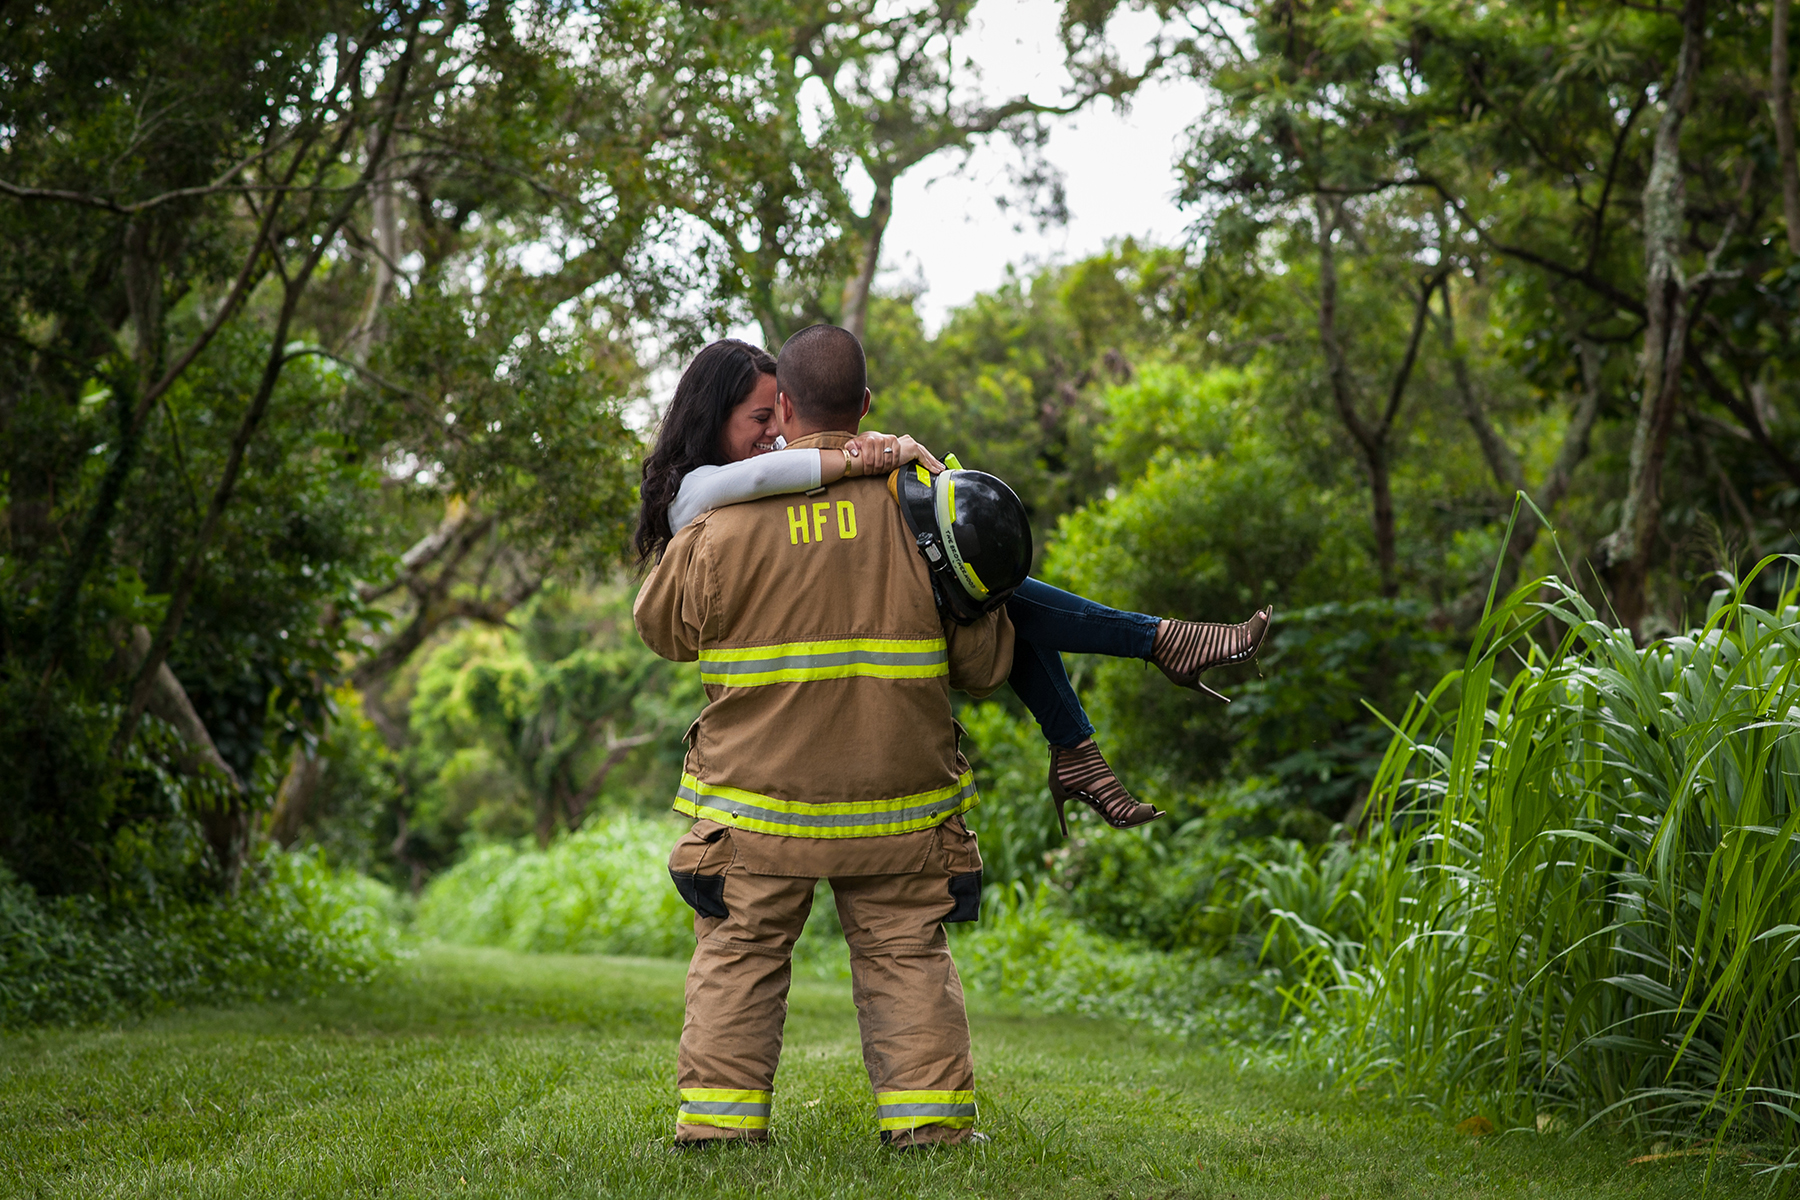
(752, 894)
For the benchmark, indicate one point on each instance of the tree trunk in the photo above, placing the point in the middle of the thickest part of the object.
(1508, 472)
(546, 818)
(856, 292)
(189, 579)
(293, 800)
(1626, 551)
(225, 823)
(294, 287)
(1781, 105)
(169, 702)
(384, 207)
(1372, 439)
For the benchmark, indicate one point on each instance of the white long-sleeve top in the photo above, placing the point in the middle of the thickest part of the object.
(776, 473)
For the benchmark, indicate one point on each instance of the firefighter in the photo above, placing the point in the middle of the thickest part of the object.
(826, 750)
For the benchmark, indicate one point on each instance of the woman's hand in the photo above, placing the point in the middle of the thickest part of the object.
(876, 453)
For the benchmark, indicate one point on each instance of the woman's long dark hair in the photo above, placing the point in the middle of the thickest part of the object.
(717, 381)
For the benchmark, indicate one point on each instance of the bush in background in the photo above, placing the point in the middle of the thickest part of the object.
(1029, 948)
(603, 889)
(294, 927)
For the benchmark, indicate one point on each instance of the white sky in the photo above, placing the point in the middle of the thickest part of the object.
(947, 232)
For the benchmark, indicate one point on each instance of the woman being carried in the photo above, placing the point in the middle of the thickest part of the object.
(718, 446)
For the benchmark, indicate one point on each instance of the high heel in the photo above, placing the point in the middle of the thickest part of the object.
(1082, 774)
(1183, 649)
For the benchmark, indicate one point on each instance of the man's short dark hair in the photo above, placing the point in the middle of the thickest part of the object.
(823, 371)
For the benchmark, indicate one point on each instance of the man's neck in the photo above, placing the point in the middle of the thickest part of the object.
(829, 438)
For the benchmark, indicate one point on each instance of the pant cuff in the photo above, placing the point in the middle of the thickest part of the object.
(742, 1111)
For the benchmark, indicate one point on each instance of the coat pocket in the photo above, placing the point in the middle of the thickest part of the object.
(962, 862)
(698, 863)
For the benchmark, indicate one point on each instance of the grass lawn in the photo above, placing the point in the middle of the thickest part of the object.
(484, 1073)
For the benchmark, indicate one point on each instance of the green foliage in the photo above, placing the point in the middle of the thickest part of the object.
(1014, 822)
(602, 890)
(1218, 517)
(1221, 517)
(1580, 890)
(1028, 948)
(272, 613)
(277, 604)
(301, 927)
(524, 731)
(350, 816)
(1013, 381)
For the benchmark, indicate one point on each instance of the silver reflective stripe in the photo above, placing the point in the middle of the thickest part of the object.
(721, 1108)
(886, 816)
(924, 1110)
(841, 658)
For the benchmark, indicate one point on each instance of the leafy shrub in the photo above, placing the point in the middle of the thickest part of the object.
(1028, 947)
(1014, 821)
(1184, 891)
(603, 889)
(294, 927)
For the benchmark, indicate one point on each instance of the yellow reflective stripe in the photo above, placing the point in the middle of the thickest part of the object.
(828, 646)
(725, 1108)
(911, 1110)
(728, 1095)
(916, 1122)
(832, 658)
(845, 671)
(885, 1098)
(723, 1121)
(861, 818)
(981, 589)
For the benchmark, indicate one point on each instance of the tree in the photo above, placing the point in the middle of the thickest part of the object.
(1525, 132)
(189, 393)
(557, 704)
(765, 164)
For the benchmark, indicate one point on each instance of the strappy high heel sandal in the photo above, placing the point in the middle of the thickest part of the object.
(1183, 649)
(1082, 774)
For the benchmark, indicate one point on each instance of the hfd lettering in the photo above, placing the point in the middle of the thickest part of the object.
(807, 523)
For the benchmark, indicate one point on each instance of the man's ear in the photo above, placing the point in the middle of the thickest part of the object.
(784, 407)
(867, 396)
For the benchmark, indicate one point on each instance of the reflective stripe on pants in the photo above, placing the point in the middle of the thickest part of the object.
(909, 1110)
(724, 1108)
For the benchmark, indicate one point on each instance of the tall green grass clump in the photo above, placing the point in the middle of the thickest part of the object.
(294, 926)
(1582, 888)
(602, 890)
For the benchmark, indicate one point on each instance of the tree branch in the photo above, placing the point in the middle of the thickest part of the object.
(182, 594)
(1397, 390)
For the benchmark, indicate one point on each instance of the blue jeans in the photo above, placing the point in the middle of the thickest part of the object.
(1049, 621)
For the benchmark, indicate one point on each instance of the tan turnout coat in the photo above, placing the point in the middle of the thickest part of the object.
(826, 665)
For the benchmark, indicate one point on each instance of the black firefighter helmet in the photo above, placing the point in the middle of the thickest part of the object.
(973, 533)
